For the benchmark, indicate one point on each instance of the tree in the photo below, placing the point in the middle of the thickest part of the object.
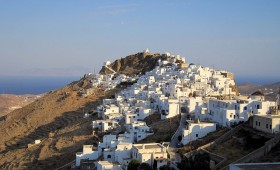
(133, 165)
(145, 166)
(164, 167)
(200, 162)
(186, 163)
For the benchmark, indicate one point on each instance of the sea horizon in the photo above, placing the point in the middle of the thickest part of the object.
(20, 85)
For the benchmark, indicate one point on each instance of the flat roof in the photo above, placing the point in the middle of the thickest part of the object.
(269, 116)
(88, 146)
(256, 166)
(148, 146)
(107, 163)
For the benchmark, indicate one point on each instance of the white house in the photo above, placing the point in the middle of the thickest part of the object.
(195, 130)
(106, 165)
(123, 153)
(267, 123)
(88, 153)
(130, 118)
(140, 130)
(108, 109)
(105, 125)
(148, 153)
(228, 112)
(173, 109)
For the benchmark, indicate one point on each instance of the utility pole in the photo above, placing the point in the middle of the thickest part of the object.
(278, 101)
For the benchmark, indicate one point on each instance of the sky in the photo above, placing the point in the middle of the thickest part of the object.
(70, 38)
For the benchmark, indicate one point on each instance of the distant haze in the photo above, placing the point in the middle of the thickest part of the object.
(69, 38)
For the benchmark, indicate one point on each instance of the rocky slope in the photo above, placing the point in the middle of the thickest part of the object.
(57, 119)
(134, 64)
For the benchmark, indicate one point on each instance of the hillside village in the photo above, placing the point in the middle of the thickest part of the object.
(204, 98)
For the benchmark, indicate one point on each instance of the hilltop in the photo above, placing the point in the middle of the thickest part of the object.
(57, 119)
(134, 64)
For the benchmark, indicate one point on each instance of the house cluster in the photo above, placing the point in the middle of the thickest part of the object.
(163, 90)
(116, 151)
(227, 112)
(105, 82)
(208, 95)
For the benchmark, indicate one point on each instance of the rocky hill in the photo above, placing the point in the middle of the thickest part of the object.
(57, 120)
(134, 64)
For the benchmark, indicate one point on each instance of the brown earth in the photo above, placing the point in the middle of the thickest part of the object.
(56, 119)
(242, 143)
(163, 129)
(210, 137)
(10, 102)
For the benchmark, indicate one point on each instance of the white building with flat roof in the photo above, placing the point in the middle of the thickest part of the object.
(148, 153)
(106, 165)
(267, 123)
(195, 130)
(88, 153)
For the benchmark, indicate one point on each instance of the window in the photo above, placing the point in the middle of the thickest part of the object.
(196, 135)
(245, 108)
(109, 156)
(258, 106)
(270, 126)
(234, 116)
(266, 125)
(256, 123)
(259, 123)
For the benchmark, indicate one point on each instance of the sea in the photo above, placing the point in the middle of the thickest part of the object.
(39, 85)
(33, 85)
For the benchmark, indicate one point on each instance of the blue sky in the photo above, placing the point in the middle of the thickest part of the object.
(69, 38)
